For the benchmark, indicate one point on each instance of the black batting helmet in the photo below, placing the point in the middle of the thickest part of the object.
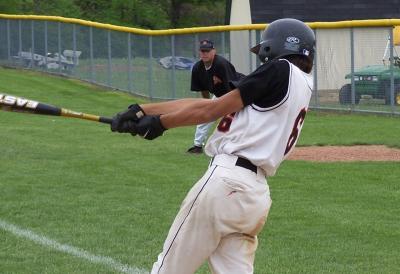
(285, 37)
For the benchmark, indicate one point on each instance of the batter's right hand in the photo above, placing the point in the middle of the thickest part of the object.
(125, 121)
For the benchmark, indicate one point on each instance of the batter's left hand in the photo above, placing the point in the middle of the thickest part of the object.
(127, 127)
(124, 121)
(150, 127)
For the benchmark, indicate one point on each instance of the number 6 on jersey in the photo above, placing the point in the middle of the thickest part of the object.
(295, 131)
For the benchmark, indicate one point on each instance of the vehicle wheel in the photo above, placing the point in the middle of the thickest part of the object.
(345, 95)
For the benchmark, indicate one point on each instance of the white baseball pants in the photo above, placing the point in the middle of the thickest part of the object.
(218, 221)
(201, 134)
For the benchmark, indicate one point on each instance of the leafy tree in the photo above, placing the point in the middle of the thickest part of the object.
(140, 13)
(188, 13)
(206, 14)
(11, 6)
(151, 14)
(93, 10)
(40, 7)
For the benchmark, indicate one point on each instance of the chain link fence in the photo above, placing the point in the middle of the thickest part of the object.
(356, 67)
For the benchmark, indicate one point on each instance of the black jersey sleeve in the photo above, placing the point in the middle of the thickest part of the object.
(226, 72)
(266, 86)
(197, 84)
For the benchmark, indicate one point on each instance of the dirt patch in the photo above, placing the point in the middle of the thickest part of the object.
(345, 153)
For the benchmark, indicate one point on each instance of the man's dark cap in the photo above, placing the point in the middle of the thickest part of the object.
(206, 44)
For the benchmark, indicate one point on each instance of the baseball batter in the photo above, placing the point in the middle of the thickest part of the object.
(222, 214)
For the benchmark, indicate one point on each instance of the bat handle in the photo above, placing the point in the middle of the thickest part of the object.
(105, 120)
(69, 113)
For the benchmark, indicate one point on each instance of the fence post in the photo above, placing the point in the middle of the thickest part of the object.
(258, 38)
(45, 44)
(109, 73)
(74, 61)
(353, 85)
(391, 70)
(20, 42)
(8, 41)
(223, 44)
(130, 87)
(250, 53)
(315, 76)
(91, 54)
(59, 47)
(195, 46)
(32, 43)
(150, 67)
(173, 66)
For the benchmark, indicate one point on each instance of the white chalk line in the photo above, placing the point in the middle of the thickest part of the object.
(74, 251)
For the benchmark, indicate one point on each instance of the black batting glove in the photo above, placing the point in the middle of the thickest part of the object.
(150, 127)
(124, 121)
(128, 127)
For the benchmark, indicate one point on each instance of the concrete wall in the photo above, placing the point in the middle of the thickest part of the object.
(239, 40)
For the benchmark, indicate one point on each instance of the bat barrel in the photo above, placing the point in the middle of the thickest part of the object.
(17, 104)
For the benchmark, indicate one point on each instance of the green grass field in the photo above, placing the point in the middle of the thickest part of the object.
(77, 198)
(162, 86)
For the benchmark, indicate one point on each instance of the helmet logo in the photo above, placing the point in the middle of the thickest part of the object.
(293, 40)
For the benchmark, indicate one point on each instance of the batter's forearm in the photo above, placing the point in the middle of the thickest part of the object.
(187, 117)
(186, 112)
(166, 107)
(203, 111)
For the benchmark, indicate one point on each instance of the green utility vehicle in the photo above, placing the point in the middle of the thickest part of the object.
(373, 81)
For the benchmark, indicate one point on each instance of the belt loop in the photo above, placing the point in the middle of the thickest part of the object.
(261, 174)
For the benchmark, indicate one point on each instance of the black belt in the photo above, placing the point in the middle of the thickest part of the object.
(242, 162)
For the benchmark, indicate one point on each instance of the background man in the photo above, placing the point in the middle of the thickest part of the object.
(211, 74)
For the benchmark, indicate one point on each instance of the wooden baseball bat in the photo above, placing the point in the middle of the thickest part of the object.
(18, 104)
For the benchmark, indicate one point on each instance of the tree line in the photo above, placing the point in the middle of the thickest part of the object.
(148, 14)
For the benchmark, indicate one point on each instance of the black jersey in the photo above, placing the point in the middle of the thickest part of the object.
(202, 79)
(266, 86)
